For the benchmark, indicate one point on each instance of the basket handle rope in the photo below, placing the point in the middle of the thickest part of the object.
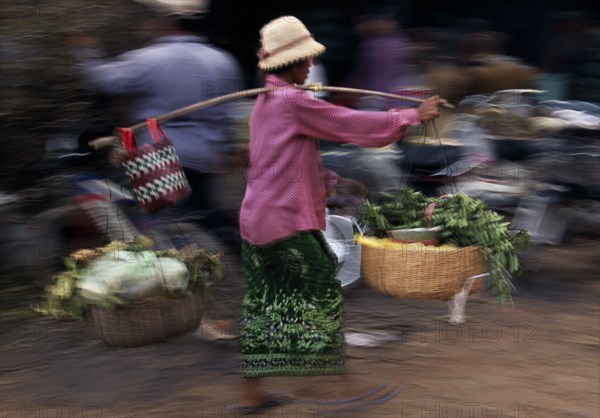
(421, 142)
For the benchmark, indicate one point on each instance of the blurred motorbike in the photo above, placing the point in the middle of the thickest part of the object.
(545, 172)
(75, 201)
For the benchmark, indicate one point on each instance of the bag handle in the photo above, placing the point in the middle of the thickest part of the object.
(156, 131)
(127, 139)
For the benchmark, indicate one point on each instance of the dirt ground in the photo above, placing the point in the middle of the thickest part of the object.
(538, 358)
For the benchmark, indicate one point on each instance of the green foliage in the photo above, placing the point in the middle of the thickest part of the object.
(62, 300)
(402, 211)
(465, 221)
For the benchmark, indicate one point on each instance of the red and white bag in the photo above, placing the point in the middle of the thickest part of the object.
(157, 179)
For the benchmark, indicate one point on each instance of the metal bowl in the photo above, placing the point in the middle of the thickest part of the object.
(428, 236)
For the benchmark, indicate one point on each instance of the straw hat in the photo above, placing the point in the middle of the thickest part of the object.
(177, 8)
(285, 41)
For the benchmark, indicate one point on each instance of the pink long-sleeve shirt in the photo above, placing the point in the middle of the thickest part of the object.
(286, 187)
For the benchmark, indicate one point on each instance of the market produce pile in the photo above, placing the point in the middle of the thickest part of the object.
(120, 272)
(465, 221)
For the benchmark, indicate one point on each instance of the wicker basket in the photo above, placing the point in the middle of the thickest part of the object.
(147, 321)
(420, 273)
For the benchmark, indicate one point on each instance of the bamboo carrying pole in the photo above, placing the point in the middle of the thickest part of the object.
(316, 87)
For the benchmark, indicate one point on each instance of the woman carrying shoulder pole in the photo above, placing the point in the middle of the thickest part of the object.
(292, 305)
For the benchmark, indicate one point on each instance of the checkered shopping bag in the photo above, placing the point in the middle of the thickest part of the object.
(157, 179)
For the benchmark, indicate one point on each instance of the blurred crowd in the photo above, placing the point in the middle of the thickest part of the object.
(48, 96)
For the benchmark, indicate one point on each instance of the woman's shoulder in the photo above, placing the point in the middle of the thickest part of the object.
(288, 98)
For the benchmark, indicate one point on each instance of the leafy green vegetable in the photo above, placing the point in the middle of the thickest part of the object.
(465, 221)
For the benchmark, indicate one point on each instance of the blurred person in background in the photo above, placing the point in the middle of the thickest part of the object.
(292, 305)
(383, 61)
(180, 67)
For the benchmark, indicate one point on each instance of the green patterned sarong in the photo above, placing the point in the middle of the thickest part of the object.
(292, 309)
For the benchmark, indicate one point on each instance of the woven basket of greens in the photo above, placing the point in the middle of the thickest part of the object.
(473, 240)
(131, 295)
